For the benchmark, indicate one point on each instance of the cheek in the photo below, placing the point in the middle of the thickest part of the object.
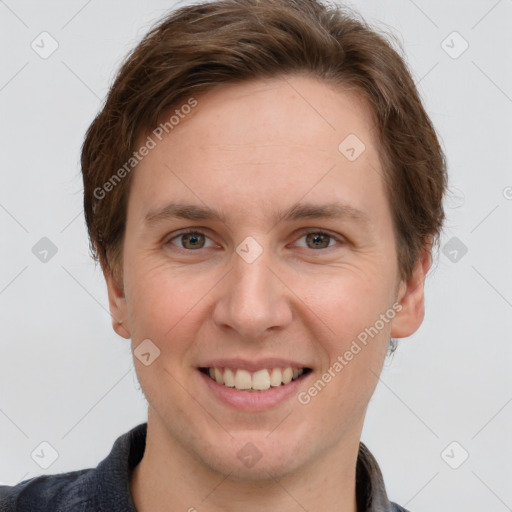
(357, 336)
(164, 305)
(355, 346)
(155, 302)
(351, 302)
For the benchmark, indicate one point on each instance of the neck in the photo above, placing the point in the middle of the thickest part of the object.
(168, 478)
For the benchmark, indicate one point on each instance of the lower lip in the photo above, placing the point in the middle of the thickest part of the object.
(254, 400)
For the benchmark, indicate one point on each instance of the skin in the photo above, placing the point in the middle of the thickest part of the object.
(249, 150)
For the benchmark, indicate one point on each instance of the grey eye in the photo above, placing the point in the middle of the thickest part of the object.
(318, 240)
(190, 240)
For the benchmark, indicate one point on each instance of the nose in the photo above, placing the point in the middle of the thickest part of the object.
(253, 298)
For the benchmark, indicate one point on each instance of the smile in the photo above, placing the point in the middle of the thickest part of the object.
(260, 380)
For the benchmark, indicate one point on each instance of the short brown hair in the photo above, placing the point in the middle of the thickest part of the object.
(198, 47)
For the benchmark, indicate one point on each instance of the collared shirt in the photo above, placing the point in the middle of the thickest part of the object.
(106, 488)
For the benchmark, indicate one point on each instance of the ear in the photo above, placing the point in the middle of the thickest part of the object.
(117, 305)
(411, 298)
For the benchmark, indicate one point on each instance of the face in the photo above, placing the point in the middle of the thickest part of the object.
(299, 265)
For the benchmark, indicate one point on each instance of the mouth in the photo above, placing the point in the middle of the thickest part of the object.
(257, 381)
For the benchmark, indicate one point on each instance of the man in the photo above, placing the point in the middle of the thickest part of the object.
(263, 189)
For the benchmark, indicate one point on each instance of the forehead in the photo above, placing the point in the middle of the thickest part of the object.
(263, 142)
(297, 110)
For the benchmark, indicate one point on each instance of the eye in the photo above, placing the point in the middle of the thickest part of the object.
(190, 239)
(193, 239)
(319, 239)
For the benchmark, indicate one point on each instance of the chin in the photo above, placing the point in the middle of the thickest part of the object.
(253, 456)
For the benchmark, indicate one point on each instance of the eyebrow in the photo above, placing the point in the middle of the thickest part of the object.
(297, 212)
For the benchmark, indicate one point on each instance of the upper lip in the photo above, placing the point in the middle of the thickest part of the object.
(252, 366)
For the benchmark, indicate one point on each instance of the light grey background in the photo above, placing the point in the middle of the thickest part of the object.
(66, 378)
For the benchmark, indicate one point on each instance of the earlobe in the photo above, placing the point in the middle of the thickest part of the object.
(411, 297)
(117, 305)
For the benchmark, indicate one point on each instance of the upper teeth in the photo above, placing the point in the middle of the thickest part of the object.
(259, 380)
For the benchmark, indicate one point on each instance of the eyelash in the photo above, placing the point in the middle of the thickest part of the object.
(189, 231)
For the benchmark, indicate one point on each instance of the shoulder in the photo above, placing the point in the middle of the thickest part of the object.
(398, 508)
(46, 493)
(104, 488)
